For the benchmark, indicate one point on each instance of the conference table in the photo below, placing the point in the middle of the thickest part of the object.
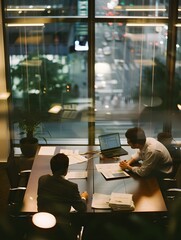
(146, 193)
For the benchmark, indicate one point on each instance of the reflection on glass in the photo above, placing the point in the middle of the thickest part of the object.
(21, 8)
(139, 8)
(48, 64)
(177, 87)
(179, 9)
(49, 77)
(130, 76)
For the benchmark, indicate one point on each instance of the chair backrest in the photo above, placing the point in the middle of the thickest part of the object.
(12, 171)
(175, 153)
(178, 177)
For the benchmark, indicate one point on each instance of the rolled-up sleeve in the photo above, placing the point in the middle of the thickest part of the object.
(150, 163)
(136, 155)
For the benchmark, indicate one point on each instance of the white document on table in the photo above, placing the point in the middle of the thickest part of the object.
(100, 201)
(115, 174)
(17, 151)
(107, 167)
(74, 156)
(76, 174)
(111, 170)
(48, 151)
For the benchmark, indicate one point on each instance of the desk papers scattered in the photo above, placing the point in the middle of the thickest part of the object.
(76, 174)
(115, 201)
(74, 156)
(111, 170)
(121, 201)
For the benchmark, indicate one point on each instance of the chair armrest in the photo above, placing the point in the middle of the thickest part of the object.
(176, 190)
(173, 193)
(16, 195)
(169, 179)
(25, 171)
(17, 189)
(168, 183)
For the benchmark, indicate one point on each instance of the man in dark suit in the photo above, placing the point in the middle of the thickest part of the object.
(57, 195)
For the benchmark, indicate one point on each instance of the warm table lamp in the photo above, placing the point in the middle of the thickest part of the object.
(43, 220)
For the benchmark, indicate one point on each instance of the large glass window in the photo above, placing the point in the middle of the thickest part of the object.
(179, 9)
(176, 116)
(46, 8)
(85, 72)
(130, 76)
(127, 8)
(48, 72)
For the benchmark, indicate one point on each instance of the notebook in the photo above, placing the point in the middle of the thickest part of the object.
(110, 145)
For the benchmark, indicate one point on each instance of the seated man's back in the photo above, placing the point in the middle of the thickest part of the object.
(56, 195)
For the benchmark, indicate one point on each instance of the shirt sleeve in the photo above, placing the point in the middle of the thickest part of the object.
(136, 155)
(149, 164)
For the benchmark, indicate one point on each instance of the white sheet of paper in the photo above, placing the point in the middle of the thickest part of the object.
(17, 151)
(115, 174)
(107, 167)
(100, 201)
(47, 151)
(74, 156)
(76, 174)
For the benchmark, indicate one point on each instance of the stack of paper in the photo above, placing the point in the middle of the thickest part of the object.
(100, 201)
(121, 201)
(115, 201)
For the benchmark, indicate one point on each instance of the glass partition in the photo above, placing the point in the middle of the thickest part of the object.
(138, 8)
(176, 116)
(86, 73)
(179, 9)
(130, 76)
(48, 71)
(46, 8)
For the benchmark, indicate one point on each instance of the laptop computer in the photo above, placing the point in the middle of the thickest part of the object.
(110, 145)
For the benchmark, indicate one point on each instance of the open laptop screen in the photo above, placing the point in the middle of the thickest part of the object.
(109, 141)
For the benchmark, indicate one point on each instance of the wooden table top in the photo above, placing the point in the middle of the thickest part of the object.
(146, 192)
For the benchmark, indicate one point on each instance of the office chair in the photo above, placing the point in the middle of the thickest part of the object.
(18, 181)
(16, 177)
(175, 153)
(171, 180)
(173, 188)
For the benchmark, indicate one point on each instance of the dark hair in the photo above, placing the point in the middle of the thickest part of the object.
(59, 163)
(136, 135)
(164, 137)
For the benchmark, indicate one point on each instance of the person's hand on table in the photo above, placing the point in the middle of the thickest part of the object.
(125, 165)
(84, 195)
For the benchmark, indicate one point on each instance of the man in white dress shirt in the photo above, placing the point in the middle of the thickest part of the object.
(156, 159)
